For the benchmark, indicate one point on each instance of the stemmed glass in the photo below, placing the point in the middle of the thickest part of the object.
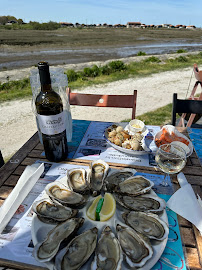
(170, 159)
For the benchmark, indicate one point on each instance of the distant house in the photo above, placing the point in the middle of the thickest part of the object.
(166, 25)
(11, 22)
(67, 24)
(134, 24)
(191, 27)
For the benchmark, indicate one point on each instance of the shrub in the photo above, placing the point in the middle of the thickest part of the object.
(87, 72)
(95, 71)
(181, 51)
(140, 53)
(71, 75)
(181, 59)
(152, 59)
(105, 70)
(117, 66)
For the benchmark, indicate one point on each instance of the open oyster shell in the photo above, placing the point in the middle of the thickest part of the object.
(108, 253)
(136, 247)
(97, 172)
(148, 224)
(134, 186)
(76, 180)
(60, 193)
(78, 251)
(49, 212)
(143, 203)
(116, 177)
(47, 249)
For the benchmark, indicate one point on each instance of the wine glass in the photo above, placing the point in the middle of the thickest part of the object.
(170, 159)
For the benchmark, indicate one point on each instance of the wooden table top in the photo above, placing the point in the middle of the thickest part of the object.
(31, 151)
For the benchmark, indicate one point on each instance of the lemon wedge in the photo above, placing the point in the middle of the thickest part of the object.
(108, 208)
(92, 209)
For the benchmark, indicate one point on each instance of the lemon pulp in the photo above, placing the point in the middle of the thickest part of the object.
(108, 208)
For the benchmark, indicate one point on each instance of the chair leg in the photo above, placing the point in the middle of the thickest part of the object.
(191, 119)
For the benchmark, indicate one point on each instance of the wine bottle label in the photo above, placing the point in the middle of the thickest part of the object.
(51, 124)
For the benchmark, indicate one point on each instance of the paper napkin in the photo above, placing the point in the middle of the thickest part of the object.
(185, 203)
(25, 183)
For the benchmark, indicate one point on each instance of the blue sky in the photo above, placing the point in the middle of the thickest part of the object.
(109, 11)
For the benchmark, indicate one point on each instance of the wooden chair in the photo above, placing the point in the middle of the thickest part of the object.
(1, 160)
(192, 107)
(118, 101)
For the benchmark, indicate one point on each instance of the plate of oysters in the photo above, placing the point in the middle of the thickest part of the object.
(66, 236)
(128, 138)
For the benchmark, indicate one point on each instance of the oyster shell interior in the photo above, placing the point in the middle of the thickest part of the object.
(97, 173)
(77, 251)
(148, 224)
(49, 210)
(62, 194)
(142, 203)
(46, 250)
(134, 186)
(113, 179)
(77, 180)
(137, 249)
(108, 254)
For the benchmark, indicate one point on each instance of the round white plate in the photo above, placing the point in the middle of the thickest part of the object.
(39, 231)
(124, 150)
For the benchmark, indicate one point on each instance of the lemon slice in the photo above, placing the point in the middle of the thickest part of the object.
(108, 208)
(92, 209)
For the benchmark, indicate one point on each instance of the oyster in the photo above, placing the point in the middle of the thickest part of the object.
(46, 250)
(49, 212)
(108, 254)
(148, 224)
(76, 179)
(60, 193)
(134, 186)
(144, 203)
(136, 247)
(114, 178)
(78, 251)
(96, 175)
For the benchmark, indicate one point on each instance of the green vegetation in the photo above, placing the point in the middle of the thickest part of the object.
(181, 51)
(140, 53)
(157, 117)
(15, 90)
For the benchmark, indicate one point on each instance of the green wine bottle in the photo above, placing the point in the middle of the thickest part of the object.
(50, 116)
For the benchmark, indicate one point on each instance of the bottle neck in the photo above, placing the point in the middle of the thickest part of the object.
(46, 87)
(44, 75)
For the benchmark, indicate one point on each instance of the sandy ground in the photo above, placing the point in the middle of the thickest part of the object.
(17, 123)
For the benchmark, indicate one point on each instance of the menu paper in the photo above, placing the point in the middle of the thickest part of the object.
(16, 238)
(93, 146)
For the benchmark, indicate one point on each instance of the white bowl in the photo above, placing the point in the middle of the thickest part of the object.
(136, 125)
(171, 129)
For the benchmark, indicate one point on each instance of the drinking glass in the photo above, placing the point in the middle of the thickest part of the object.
(170, 159)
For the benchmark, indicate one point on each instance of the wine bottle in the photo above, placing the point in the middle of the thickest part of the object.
(50, 116)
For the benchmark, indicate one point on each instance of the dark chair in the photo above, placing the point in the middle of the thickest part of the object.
(1, 160)
(118, 101)
(185, 106)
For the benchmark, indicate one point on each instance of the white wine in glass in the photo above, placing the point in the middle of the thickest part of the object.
(170, 159)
